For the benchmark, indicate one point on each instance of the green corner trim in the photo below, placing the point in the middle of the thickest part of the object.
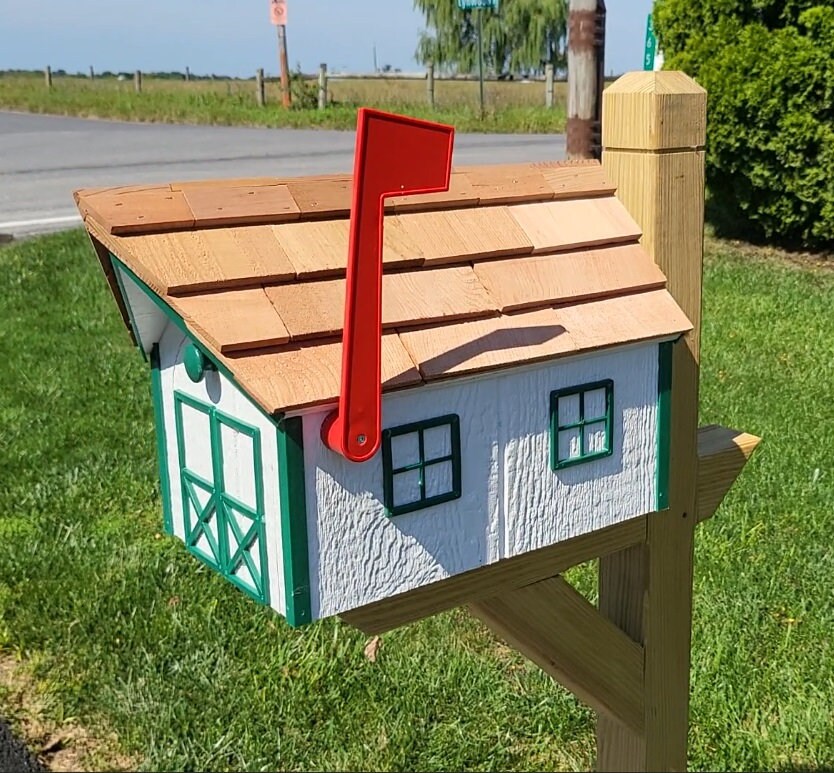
(161, 441)
(294, 521)
(134, 327)
(452, 421)
(584, 421)
(222, 506)
(664, 426)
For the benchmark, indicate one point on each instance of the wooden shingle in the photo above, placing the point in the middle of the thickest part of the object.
(234, 320)
(561, 225)
(316, 309)
(287, 377)
(520, 283)
(240, 206)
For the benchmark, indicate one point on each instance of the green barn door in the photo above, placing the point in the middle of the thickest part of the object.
(221, 477)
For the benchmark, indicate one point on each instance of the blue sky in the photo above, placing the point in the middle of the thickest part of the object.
(235, 38)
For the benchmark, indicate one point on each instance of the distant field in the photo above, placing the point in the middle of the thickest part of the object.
(510, 106)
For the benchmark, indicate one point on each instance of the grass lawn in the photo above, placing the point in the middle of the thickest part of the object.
(122, 631)
(510, 106)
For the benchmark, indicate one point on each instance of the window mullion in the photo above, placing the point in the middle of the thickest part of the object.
(422, 453)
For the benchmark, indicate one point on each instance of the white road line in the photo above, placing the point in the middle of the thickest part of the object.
(40, 221)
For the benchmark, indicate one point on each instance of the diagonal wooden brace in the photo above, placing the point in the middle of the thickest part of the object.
(555, 627)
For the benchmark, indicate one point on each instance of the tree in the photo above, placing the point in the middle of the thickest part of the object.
(768, 66)
(522, 36)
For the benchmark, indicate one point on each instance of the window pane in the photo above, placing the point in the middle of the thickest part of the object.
(405, 450)
(406, 488)
(569, 444)
(568, 409)
(595, 437)
(196, 434)
(438, 479)
(437, 442)
(595, 404)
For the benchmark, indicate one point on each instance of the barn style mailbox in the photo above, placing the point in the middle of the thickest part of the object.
(385, 394)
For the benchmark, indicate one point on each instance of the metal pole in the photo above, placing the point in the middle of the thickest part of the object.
(285, 67)
(481, 57)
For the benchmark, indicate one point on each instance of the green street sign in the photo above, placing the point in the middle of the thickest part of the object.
(651, 45)
(466, 5)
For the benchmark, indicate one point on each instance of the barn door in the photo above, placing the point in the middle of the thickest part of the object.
(221, 475)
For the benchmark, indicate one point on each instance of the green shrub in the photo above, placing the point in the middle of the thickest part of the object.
(769, 71)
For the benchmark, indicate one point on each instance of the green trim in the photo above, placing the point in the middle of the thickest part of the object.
(555, 428)
(664, 426)
(223, 506)
(389, 471)
(134, 327)
(294, 521)
(161, 441)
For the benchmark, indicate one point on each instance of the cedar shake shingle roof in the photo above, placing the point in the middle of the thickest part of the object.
(514, 264)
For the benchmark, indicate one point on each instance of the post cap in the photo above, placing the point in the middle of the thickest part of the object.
(664, 110)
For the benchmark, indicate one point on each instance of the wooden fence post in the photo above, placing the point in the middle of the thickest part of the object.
(322, 86)
(47, 74)
(430, 84)
(92, 73)
(654, 131)
(137, 81)
(548, 85)
(187, 74)
(260, 93)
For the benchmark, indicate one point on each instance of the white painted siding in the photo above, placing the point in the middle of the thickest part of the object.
(146, 315)
(238, 461)
(511, 503)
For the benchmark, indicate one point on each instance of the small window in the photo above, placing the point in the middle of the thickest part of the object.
(581, 419)
(421, 464)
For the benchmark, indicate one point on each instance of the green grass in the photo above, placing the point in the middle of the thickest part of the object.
(127, 632)
(510, 107)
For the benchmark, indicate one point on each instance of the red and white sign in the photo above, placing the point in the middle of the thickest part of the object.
(278, 11)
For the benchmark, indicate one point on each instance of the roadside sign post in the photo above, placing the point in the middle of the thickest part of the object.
(479, 6)
(278, 16)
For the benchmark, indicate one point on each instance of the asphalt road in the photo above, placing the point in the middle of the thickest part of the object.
(13, 755)
(44, 158)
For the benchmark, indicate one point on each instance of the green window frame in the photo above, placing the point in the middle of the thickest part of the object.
(582, 425)
(222, 505)
(423, 465)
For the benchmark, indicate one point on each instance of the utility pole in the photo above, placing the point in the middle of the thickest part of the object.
(586, 62)
(278, 17)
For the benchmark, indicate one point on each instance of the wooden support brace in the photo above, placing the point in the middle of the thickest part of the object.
(556, 627)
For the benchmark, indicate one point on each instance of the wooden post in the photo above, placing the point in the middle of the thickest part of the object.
(286, 96)
(582, 77)
(92, 73)
(322, 86)
(187, 74)
(548, 85)
(654, 130)
(137, 81)
(47, 74)
(260, 94)
(430, 84)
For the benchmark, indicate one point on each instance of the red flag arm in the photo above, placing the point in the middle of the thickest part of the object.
(395, 156)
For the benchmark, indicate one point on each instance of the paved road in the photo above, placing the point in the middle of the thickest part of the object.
(44, 158)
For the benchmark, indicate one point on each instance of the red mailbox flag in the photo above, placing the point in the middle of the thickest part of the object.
(395, 156)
